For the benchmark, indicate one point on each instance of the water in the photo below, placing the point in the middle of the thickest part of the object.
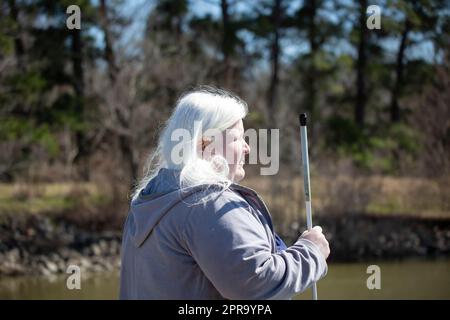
(399, 280)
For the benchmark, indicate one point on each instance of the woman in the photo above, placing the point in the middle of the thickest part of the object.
(193, 232)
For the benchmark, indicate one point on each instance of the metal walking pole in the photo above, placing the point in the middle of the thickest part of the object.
(307, 185)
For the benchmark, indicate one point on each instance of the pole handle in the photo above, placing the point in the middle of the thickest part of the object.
(303, 118)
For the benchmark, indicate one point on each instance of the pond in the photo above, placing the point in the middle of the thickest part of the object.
(410, 279)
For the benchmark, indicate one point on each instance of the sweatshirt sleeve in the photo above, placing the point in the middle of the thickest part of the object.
(232, 248)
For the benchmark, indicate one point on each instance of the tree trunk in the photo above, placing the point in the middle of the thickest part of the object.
(78, 84)
(19, 47)
(126, 145)
(396, 92)
(77, 62)
(128, 154)
(125, 141)
(226, 42)
(109, 52)
(311, 75)
(361, 95)
(272, 98)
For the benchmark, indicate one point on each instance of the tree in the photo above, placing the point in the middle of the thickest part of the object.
(120, 98)
(361, 65)
(268, 21)
(316, 65)
(275, 22)
(420, 17)
(19, 47)
(42, 96)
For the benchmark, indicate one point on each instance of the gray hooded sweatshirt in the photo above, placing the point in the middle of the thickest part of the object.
(173, 248)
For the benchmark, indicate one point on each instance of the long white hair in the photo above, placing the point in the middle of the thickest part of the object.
(196, 111)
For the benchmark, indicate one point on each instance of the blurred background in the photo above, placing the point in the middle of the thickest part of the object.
(80, 111)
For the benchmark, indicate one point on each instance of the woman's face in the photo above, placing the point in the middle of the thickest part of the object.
(234, 148)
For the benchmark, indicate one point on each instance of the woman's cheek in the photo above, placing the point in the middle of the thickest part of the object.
(228, 153)
(238, 153)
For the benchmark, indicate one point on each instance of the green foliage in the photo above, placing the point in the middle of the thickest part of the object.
(25, 89)
(6, 42)
(38, 98)
(47, 139)
(374, 149)
(47, 81)
(254, 119)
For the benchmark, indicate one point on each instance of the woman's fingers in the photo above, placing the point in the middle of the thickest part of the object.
(317, 228)
(315, 235)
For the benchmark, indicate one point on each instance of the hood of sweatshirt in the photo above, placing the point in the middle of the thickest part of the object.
(160, 195)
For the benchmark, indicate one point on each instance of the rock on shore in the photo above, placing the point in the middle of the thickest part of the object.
(39, 245)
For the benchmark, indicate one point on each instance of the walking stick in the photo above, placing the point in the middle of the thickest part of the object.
(307, 186)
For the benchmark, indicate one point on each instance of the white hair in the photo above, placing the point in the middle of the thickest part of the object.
(213, 109)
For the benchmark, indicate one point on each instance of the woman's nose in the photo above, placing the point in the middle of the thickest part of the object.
(246, 148)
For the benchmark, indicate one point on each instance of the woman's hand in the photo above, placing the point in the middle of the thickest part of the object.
(315, 235)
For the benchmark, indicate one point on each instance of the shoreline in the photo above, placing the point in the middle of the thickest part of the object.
(360, 237)
(39, 245)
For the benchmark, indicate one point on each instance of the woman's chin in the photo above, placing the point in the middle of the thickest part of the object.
(239, 174)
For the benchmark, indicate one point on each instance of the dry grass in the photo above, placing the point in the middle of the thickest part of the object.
(87, 205)
(344, 194)
(48, 197)
(283, 194)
